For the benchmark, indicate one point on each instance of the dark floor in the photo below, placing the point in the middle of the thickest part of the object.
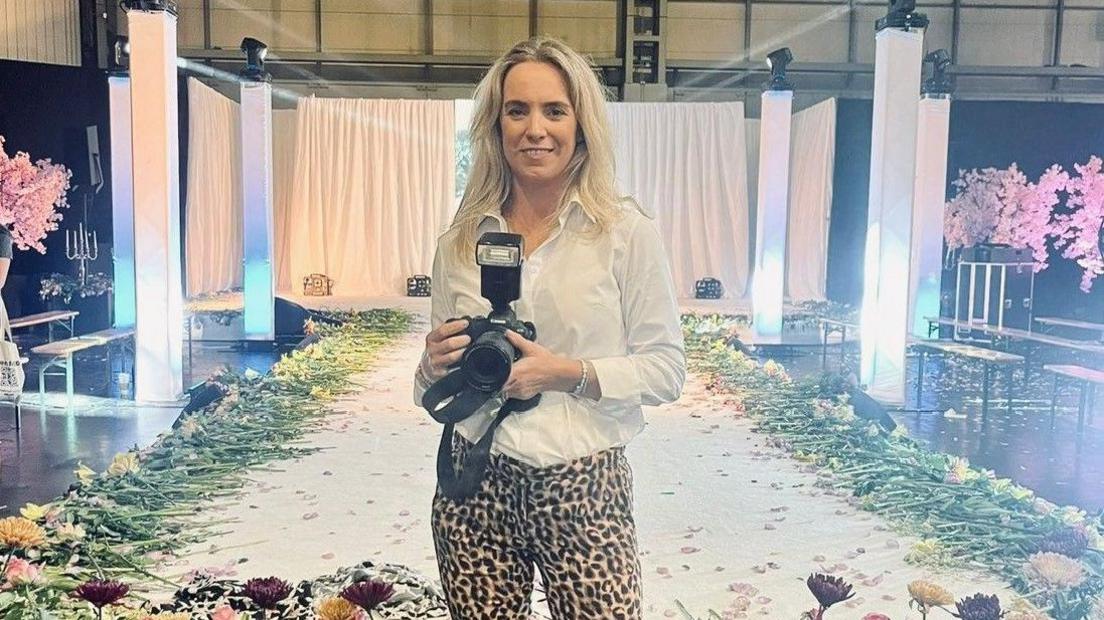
(36, 464)
(1060, 464)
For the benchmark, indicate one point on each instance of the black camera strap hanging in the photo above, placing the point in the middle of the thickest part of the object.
(465, 402)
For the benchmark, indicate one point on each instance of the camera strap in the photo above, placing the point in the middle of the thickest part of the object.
(465, 402)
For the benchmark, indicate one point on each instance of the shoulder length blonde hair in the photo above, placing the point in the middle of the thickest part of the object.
(591, 168)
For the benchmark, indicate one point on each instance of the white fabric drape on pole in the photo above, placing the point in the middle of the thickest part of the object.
(213, 235)
(812, 164)
(926, 269)
(283, 179)
(687, 163)
(373, 189)
(768, 275)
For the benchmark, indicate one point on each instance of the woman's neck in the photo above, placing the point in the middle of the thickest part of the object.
(532, 207)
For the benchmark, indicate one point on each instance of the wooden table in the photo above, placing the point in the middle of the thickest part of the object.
(834, 326)
(64, 318)
(987, 356)
(1086, 378)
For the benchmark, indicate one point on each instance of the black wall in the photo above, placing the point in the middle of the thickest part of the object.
(40, 106)
(983, 134)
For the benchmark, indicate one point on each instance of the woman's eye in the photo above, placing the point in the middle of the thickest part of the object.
(557, 112)
(515, 112)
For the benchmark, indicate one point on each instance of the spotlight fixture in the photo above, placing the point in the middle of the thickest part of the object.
(255, 53)
(939, 83)
(902, 14)
(121, 57)
(150, 5)
(777, 61)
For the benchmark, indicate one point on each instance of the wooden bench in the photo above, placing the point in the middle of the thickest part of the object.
(1017, 334)
(1086, 378)
(1089, 326)
(60, 354)
(987, 356)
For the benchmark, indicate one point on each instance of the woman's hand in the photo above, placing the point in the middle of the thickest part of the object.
(539, 370)
(444, 347)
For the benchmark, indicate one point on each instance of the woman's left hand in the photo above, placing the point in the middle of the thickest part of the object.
(539, 370)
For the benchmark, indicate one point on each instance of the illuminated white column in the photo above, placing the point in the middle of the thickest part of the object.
(159, 326)
(122, 202)
(772, 206)
(884, 321)
(258, 278)
(934, 126)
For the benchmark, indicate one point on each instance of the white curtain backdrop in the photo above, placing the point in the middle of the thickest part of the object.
(687, 163)
(812, 164)
(284, 129)
(372, 190)
(213, 233)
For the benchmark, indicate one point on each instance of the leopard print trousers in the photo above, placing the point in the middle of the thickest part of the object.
(573, 522)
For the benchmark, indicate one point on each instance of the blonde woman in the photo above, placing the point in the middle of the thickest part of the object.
(557, 494)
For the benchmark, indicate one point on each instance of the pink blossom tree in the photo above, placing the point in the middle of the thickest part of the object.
(30, 196)
(1079, 229)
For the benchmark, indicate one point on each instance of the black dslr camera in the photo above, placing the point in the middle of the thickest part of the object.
(484, 366)
(487, 361)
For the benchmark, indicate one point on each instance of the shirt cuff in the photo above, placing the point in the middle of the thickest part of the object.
(618, 379)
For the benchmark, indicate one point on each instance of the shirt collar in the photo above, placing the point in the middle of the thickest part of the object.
(573, 204)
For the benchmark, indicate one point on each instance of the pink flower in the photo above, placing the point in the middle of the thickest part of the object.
(30, 194)
(224, 613)
(21, 572)
(875, 616)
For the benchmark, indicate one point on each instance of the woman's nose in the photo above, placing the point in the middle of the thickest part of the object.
(535, 127)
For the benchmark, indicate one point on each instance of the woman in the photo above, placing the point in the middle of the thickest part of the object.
(5, 254)
(596, 283)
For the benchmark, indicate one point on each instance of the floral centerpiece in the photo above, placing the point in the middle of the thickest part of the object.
(30, 196)
(65, 286)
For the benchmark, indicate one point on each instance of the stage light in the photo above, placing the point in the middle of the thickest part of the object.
(902, 14)
(255, 53)
(939, 83)
(777, 61)
(150, 5)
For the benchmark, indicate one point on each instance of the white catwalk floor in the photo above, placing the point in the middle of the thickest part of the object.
(725, 522)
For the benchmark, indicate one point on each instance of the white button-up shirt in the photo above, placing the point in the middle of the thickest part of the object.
(606, 299)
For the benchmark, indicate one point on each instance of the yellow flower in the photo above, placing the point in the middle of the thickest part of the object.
(928, 594)
(1054, 571)
(1023, 609)
(123, 463)
(334, 608)
(927, 549)
(34, 512)
(68, 531)
(20, 533)
(84, 473)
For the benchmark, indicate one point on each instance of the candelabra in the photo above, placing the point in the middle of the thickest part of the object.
(82, 246)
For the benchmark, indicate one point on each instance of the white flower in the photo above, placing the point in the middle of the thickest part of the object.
(1054, 571)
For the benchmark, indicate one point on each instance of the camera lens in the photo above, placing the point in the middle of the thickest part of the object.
(488, 360)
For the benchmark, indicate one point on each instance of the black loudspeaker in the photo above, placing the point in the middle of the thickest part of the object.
(289, 318)
(418, 286)
(708, 288)
(82, 157)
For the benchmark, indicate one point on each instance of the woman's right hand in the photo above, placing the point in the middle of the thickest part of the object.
(444, 347)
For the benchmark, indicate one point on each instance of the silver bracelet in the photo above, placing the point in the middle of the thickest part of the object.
(421, 373)
(581, 387)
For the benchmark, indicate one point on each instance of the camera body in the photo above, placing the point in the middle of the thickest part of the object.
(489, 358)
(487, 361)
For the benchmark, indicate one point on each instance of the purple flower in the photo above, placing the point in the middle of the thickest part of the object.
(266, 592)
(979, 607)
(101, 593)
(828, 590)
(368, 594)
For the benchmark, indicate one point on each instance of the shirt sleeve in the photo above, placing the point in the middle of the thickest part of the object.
(654, 370)
(440, 311)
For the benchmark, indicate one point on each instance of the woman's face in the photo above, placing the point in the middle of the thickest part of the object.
(538, 123)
